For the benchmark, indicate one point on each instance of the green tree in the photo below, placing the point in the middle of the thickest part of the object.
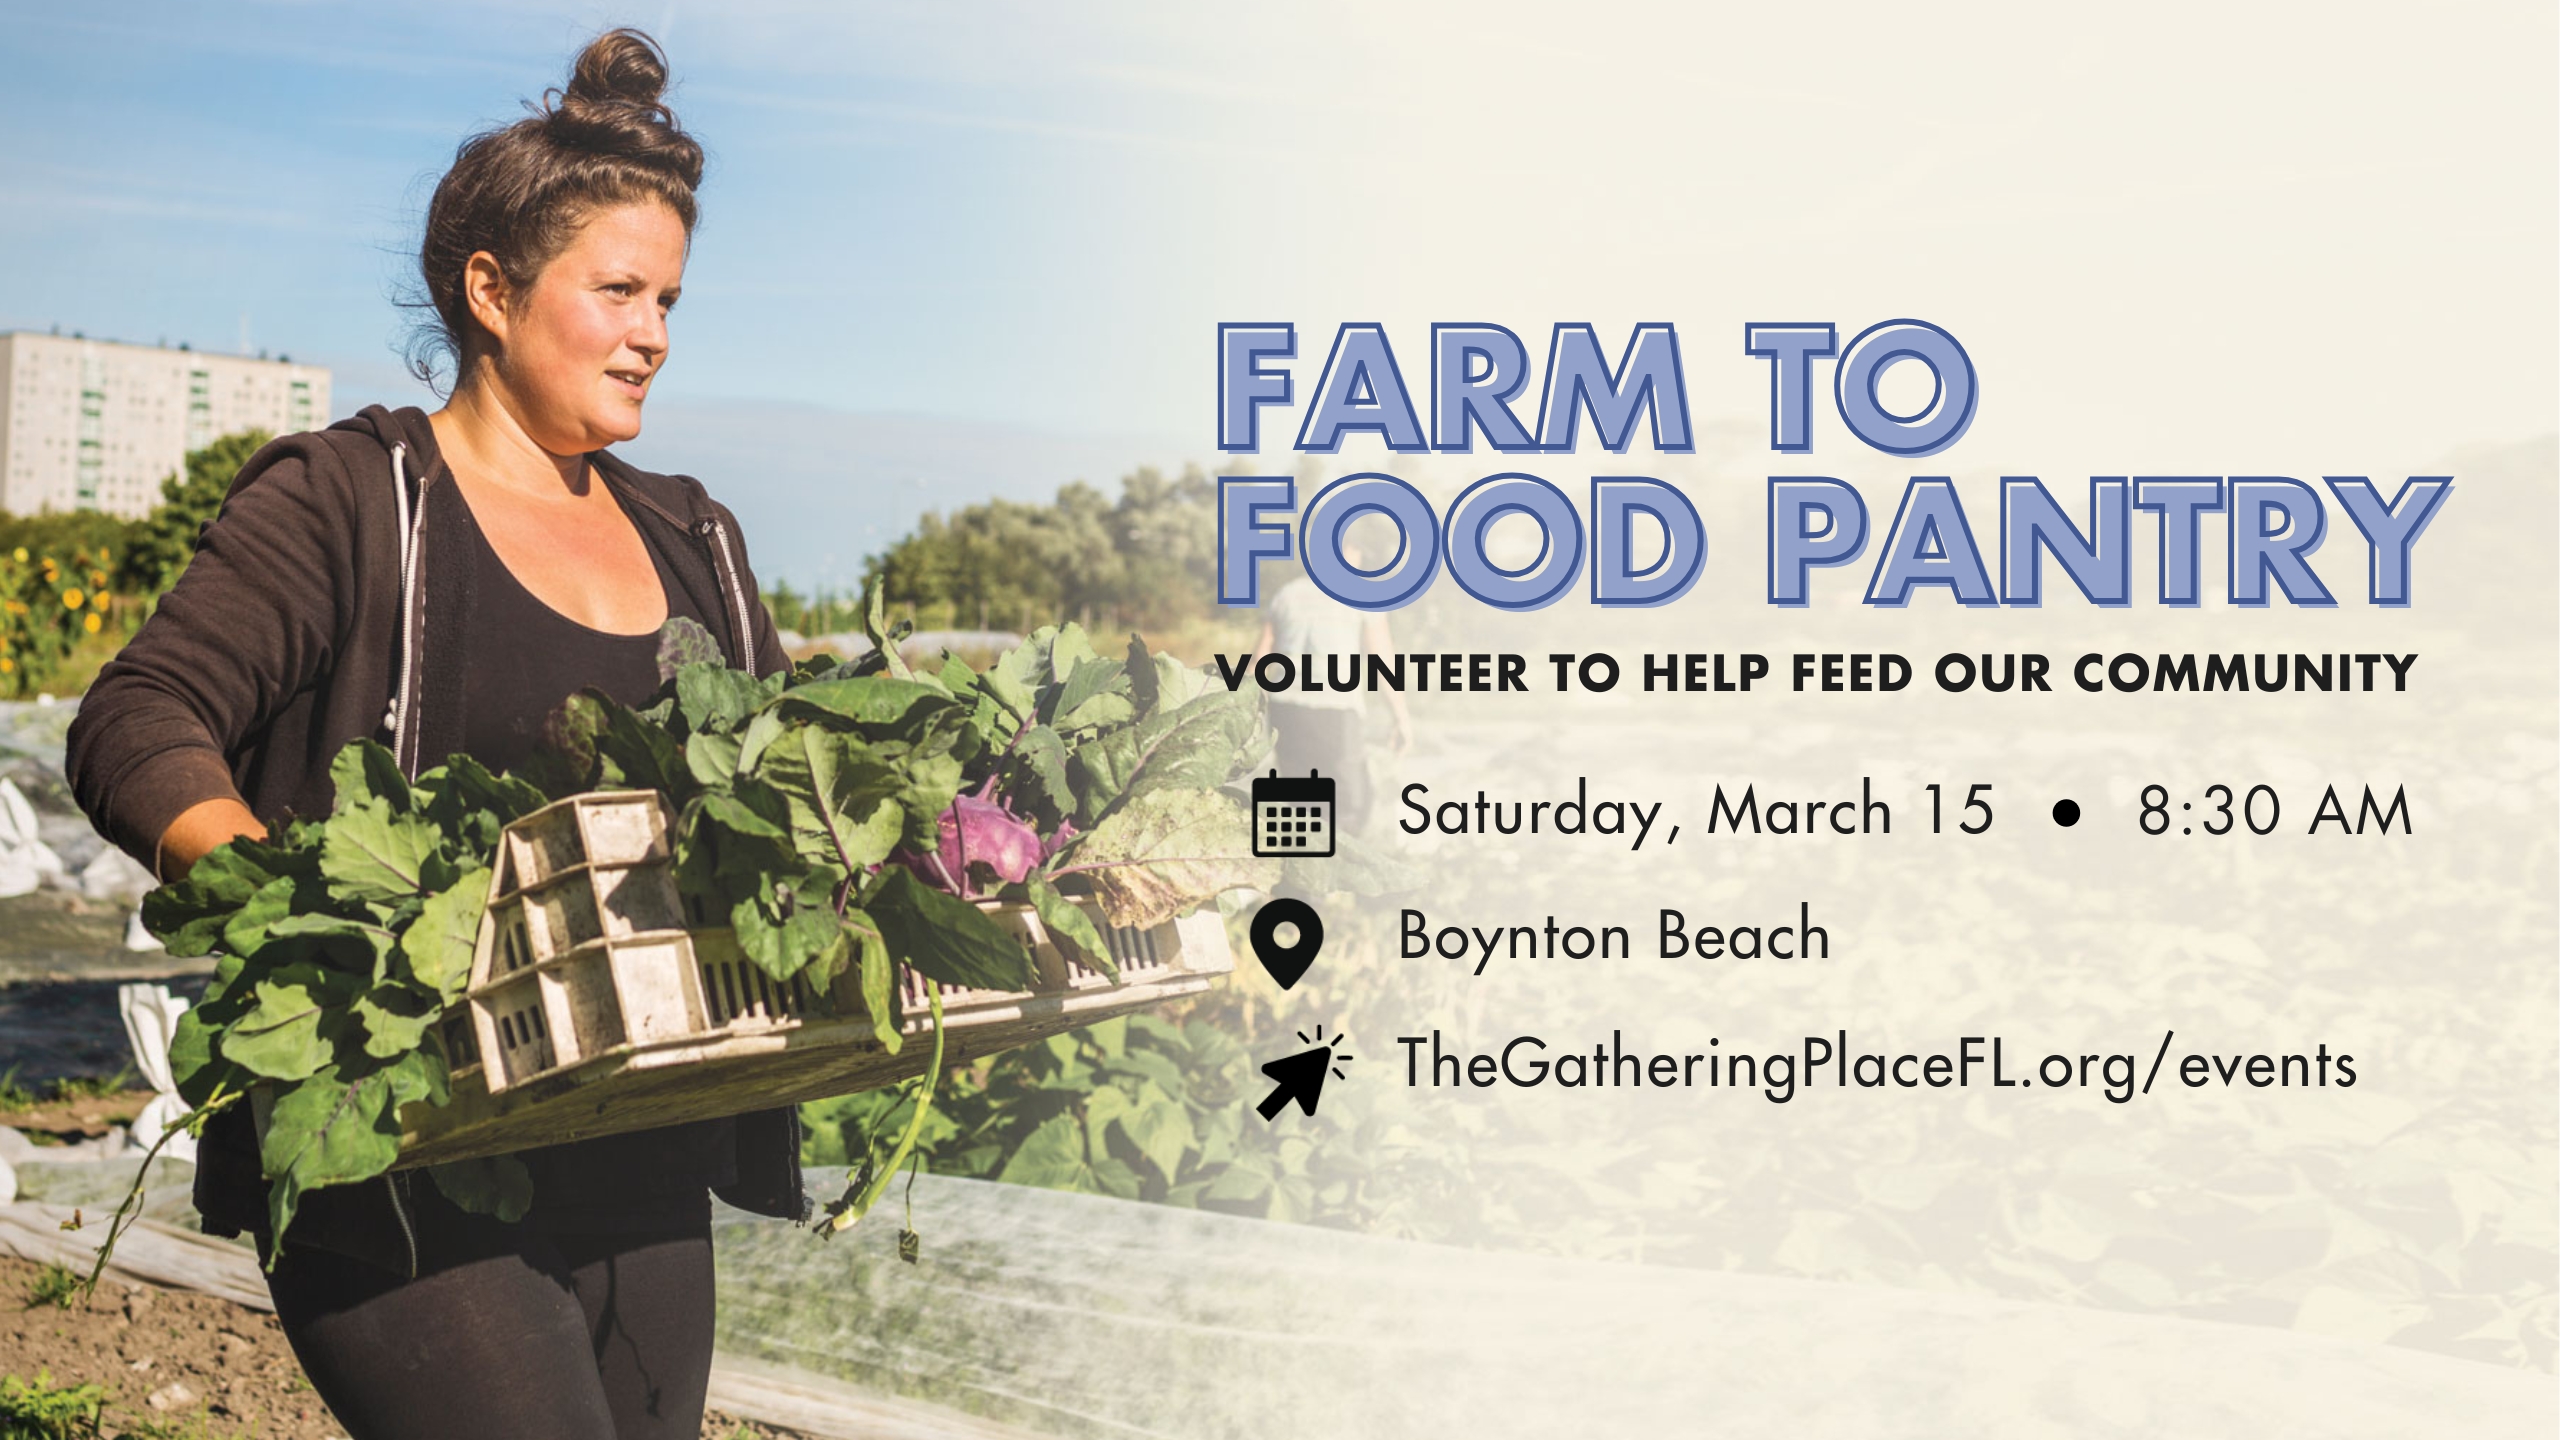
(1148, 558)
(165, 540)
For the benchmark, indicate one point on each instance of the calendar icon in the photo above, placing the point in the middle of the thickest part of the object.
(1292, 817)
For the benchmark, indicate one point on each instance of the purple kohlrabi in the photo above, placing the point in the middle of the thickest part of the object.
(977, 831)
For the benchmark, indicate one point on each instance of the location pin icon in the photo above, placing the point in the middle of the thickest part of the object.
(1285, 963)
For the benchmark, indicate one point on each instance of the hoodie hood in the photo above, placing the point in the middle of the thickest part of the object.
(680, 499)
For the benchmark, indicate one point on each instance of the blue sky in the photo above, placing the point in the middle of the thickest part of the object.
(971, 228)
(951, 251)
(173, 168)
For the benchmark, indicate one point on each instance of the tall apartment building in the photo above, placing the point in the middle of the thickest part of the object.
(97, 425)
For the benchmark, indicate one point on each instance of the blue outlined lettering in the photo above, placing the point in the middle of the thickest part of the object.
(1361, 390)
(2260, 549)
(1796, 544)
(2390, 530)
(1244, 386)
(1647, 380)
(1463, 399)
(1938, 424)
(1247, 533)
(1403, 576)
(2100, 563)
(1616, 501)
(1931, 543)
(1791, 350)
(2179, 501)
(1544, 579)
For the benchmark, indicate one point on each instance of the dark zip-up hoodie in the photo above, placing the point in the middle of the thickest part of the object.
(314, 613)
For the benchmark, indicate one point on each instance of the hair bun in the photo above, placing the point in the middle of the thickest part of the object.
(624, 66)
(612, 106)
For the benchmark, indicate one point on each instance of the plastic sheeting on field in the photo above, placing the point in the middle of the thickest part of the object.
(1046, 1313)
(1078, 1315)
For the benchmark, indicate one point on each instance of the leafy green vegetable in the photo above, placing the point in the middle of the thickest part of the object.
(946, 938)
(1071, 925)
(340, 1126)
(683, 644)
(1167, 852)
(837, 816)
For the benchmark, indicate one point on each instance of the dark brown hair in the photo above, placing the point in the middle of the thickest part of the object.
(522, 192)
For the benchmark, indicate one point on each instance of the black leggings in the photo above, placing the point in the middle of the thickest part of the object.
(544, 1336)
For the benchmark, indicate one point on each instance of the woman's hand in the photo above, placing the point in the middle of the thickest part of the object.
(199, 830)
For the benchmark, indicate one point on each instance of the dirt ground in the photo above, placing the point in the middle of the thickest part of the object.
(177, 1366)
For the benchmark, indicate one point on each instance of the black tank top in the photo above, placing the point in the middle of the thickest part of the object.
(525, 658)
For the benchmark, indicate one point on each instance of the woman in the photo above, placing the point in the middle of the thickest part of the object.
(441, 582)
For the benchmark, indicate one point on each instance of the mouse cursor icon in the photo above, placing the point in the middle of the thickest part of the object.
(1301, 1077)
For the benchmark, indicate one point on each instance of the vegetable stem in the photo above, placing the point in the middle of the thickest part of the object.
(131, 1209)
(880, 1178)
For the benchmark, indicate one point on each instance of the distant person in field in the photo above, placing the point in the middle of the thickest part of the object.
(1327, 730)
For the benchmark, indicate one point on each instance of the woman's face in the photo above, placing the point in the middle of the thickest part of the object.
(579, 346)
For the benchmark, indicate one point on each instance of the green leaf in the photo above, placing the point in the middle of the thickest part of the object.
(783, 947)
(281, 1035)
(1194, 746)
(947, 939)
(1015, 681)
(497, 1185)
(1160, 1126)
(877, 705)
(711, 758)
(1071, 648)
(396, 1019)
(1102, 712)
(932, 783)
(760, 733)
(1071, 926)
(736, 810)
(1244, 1182)
(1168, 852)
(750, 831)
(1177, 683)
(195, 1062)
(1091, 680)
(642, 755)
(189, 916)
(350, 950)
(683, 642)
(365, 772)
(371, 853)
(884, 640)
(1052, 1157)
(839, 797)
(1152, 1065)
(715, 697)
(1037, 771)
(569, 758)
(334, 1130)
(470, 804)
(437, 947)
(246, 930)
(879, 980)
(1146, 687)
(1111, 1036)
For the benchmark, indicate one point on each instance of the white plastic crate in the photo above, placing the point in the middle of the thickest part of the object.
(593, 1008)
